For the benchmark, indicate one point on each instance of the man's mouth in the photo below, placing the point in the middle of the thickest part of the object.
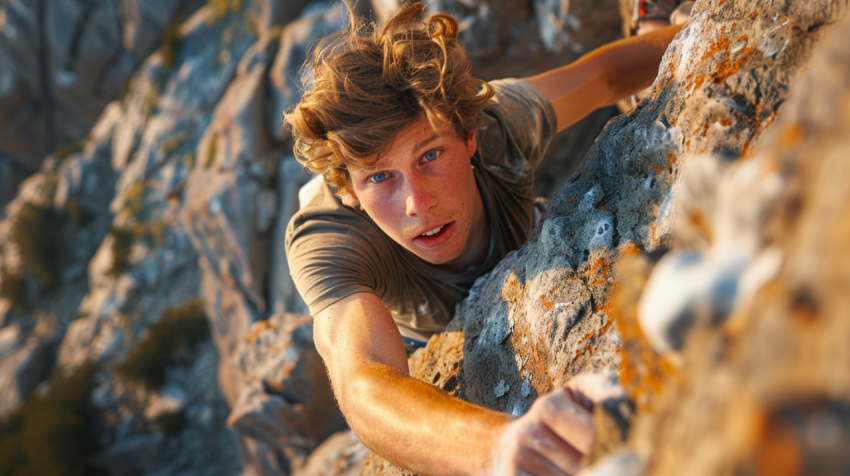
(434, 231)
(436, 236)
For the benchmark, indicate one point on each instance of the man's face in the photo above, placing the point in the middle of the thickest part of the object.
(423, 195)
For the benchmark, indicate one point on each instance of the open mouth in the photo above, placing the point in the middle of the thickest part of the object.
(435, 237)
(434, 231)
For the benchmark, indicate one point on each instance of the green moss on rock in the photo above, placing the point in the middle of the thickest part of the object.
(52, 434)
(36, 230)
(176, 334)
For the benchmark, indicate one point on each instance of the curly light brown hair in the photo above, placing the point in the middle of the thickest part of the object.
(365, 85)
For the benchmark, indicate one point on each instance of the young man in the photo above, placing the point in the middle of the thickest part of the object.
(429, 184)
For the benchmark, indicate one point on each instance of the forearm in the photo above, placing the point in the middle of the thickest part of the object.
(604, 76)
(416, 425)
(631, 65)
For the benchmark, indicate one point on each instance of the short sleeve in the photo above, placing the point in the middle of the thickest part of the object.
(331, 259)
(524, 121)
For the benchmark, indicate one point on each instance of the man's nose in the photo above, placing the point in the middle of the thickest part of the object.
(421, 197)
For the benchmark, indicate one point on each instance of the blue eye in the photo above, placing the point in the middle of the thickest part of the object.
(378, 177)
(430, 155)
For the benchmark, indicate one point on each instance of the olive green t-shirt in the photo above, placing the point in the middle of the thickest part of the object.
(335, 251)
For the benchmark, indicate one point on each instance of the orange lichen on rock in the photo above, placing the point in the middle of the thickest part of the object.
(256, 330)
(727, 68)
(722, 44)
(602, 268)
(642, 371)
(546, 304)
(697, 82)
(792, 135)
(725, 122)
(671, 160)
(587, 347)
(752, 16)
(697, 220)
(561, 284)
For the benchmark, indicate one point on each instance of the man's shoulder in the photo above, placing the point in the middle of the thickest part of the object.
(514, 130)
(321, 212)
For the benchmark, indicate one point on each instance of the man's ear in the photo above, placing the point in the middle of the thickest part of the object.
(471, 144)
(350, 199)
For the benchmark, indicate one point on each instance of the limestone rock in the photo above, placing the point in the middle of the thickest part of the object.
(181, 428)
(63, 61)
(720, 85)
(341, 454)
(22, 365)
(295, 43)
(717, 90)
(772, 372)
(268, 13)
(286, 405)
(146, 262)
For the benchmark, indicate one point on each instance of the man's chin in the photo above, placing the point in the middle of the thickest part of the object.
(438, 260)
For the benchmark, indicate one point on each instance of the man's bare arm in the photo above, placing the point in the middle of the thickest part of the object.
(604, 76)
(423, 429)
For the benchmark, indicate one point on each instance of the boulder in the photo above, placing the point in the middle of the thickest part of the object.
(341, 454)
(286, 405)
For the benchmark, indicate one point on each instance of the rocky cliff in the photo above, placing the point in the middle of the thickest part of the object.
(145, 303)
(146, 308)
(63, 62)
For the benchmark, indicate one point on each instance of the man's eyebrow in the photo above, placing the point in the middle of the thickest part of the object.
(427, 141)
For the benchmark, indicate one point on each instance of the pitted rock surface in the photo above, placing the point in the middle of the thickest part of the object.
(720, 85)
(772, 371)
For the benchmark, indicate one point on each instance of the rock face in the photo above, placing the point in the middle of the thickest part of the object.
(285, 407)
(185, 185)
(63, 62)
(541, 315)
(774, 373)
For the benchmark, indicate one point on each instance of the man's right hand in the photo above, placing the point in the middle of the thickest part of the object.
(549, 440)
(556, 432)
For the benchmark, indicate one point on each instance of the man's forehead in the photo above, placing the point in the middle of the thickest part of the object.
(410, 140)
